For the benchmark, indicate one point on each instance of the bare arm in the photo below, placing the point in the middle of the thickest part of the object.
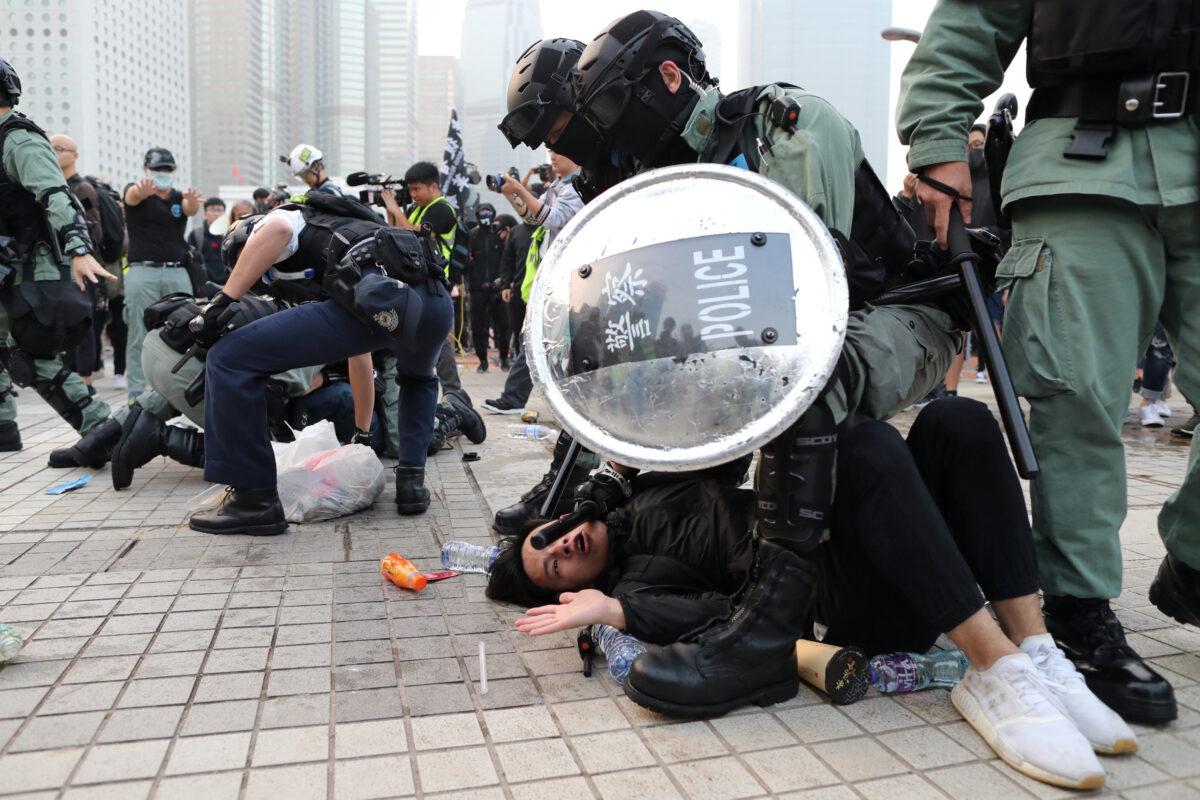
(362, 385)
(139, 191)
(574, 610)
(265, 245)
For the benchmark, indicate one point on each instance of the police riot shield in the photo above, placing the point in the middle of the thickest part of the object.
(686, 317)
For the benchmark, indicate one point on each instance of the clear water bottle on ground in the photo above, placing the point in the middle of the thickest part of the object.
(896, 673)
(10, 643)
(523, 431)
(619, 649)
(467, 557)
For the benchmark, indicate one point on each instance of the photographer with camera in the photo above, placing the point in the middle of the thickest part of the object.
(549, 214)
(306, 163)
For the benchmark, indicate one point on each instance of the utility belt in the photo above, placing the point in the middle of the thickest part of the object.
(156, 264)
(1102, 105)
(376, 277)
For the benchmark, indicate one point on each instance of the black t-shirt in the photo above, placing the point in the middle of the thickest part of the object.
(210, 249)
(439, 215)
(156, 228)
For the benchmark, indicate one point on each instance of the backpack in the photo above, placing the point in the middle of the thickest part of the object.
(113, 239)
(460, 254)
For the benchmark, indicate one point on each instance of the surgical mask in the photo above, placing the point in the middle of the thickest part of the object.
(163, 180)
(975, 159)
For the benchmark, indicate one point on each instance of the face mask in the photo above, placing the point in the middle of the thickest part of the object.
(163, 180)
(579, 142)
(975, 158)
(647, 130)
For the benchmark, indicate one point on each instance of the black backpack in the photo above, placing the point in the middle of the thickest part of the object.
(113, 240)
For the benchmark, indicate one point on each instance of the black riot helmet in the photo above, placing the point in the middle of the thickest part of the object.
(619, 90)
(541, 88)
(235, 239)
(10, 82)
(159, 158)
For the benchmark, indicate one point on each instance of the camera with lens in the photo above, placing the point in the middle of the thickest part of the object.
(494, 182)
(374, 197)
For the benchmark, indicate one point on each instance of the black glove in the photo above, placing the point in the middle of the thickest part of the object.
(361, 437)
(607, 489)
(210, 323)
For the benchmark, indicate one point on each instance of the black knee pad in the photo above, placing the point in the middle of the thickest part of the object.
(795, 481)
(52, 392)
(21, 368)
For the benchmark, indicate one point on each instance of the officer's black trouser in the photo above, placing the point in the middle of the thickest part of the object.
(238, 452)
(117, 332)
(920, 526)
(488, 313)
(516, 319)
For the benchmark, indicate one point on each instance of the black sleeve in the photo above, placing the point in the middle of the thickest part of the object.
(440, 217)
(657, 616)
(508, 260)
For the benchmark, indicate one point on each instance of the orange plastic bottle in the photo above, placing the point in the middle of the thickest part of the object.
(402, 572)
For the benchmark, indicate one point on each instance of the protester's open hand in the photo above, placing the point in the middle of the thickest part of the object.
(88, 267)
(574, 610)
(957, 176)
(146, 187)
(192, 194)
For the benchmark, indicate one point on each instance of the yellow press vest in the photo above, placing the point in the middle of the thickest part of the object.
(532, 259)
(447, 239)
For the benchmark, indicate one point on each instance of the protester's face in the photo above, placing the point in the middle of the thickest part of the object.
(975, 140)
(212, 212)
(574, 562)
(562, 165)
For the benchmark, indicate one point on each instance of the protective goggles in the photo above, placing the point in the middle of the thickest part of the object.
(528, 123)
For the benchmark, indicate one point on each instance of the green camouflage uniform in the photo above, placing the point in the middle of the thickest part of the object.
(29, 161)
(1100, 249)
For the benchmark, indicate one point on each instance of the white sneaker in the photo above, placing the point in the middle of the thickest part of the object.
(119, 382)
(1149, 417)
(981, 377)
(1017, 715)
(1161, 407)
(1099, 724)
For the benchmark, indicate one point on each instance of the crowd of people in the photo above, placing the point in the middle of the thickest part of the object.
(321, 307)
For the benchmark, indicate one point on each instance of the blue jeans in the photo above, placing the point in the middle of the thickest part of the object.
(237, 449)
(1156, 369)
(333, 402)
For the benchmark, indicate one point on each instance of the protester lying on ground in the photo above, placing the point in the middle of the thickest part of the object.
(918, 528)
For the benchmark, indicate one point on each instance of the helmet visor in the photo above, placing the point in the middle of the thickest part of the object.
(527, 124)
(606, 105)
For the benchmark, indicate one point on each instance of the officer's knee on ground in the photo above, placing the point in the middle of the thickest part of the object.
(965, 422)
(872, 450)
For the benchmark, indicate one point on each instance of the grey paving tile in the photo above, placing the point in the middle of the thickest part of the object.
(716, 779)
(298, 782)
(367, 704)
(117, 762)
(209, 753)
(23, 674)
(165, 665)
(232, 686)
(132, 724)
(48, 769)
(515, 724)
(440, 698)
(66, 699)
(16, 703)
(299, 681)
(451, 770)
(238, 659)
(217, 786)
(789, 768)
(291, 745)
(297, 709)
(63, 730)
(221, 717)
(359, 779)
(92, 670)
(537, 759)
(158, 691)
(301, 655)
(649, 783)
(606, 752)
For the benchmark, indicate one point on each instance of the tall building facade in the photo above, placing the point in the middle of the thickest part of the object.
(436, 96)
(833, 49)
(228, 101)
(396, 98)
(494, 34)
(114, 76)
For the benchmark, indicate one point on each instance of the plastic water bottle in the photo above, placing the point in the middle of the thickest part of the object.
(896, 673)
(10, 643)
(619, 649)
(467, 557)
(538, 432)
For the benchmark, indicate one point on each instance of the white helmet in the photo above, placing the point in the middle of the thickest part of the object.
(303, 158)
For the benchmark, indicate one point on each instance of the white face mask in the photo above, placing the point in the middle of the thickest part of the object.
(162, 180)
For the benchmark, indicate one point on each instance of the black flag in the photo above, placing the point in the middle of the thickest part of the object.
(455, 185)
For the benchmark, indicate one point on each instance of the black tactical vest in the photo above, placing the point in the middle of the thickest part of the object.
(21, 216)
(323, 242)
(1071, 41)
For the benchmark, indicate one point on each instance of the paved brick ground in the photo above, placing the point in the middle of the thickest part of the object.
(169, 664)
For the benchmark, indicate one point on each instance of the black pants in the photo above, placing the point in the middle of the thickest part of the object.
(82, 358)
(117, 332)
(920, 526)
(516, 319)
(488, 313)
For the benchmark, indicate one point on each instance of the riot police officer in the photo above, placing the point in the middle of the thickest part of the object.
(1103, 188)
(642, 85)
(389, 293)
(44, 247)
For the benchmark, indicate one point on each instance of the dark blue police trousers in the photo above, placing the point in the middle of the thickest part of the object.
(236, 442)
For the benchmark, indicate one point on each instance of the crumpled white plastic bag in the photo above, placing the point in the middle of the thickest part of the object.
(318, 479)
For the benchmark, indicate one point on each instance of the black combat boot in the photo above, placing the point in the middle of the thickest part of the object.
(748, 658)
(455, 415)
(144, 436)
(10, 437)
(411, 495)
(1176, 591)
(92, 450)
(509, 520)
(255, 512)
(1090, 634)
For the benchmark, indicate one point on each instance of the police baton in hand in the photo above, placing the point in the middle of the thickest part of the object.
(1010, 411)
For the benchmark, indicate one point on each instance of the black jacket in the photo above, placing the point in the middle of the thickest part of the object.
(483, 267)
(512, 260)
(678, 550)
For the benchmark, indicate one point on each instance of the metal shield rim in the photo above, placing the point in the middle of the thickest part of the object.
(594, 437)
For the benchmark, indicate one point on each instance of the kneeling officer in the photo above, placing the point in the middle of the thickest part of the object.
(387, 292)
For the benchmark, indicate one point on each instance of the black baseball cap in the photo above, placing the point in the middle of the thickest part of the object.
(159, 158)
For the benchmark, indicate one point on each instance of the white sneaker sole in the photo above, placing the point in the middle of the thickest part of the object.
(973, 714)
